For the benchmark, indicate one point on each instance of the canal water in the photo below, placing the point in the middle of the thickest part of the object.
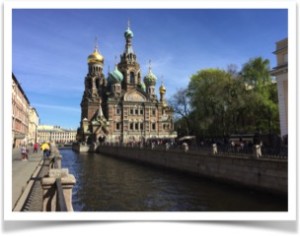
(108, 184)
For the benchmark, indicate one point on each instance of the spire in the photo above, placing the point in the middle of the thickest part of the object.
(149, 66)
(116, 58)
(96, 56)
(96, 44)
(128, 36)
(128, 24)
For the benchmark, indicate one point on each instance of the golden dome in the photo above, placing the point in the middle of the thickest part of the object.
(95, 57)
(162, 89)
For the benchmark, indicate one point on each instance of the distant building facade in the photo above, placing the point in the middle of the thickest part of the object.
(33, 125)
(50, 133)
(281, 74)
(123, 107)
(20, 114)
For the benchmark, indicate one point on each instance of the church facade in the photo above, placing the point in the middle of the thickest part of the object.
(123, 107)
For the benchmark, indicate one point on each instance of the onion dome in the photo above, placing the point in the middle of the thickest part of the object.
(95, 57)
(150, 78)
(162, 89)
(116, 76)
(128, 33)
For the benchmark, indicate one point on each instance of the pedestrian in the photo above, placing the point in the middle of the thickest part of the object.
(167, 146)
(214, 149)
(185, 147)
(46, 149)
(24, 153)
(35, 147)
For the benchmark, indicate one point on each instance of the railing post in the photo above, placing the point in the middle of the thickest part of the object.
(50, 189)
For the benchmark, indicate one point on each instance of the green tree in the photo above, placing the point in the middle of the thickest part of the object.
(219, 103)
(263, 94)
(210, 93)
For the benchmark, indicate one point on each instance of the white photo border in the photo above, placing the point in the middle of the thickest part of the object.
(151, 216)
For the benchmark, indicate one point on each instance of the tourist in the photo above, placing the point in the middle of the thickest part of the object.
(214, 149)
(35, 147)
(185, 147)
(167, 146)
(46, 149)
(24, 153)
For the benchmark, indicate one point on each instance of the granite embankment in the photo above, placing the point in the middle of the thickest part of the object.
(269, 175)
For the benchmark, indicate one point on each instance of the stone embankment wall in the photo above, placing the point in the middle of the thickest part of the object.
(269, 175)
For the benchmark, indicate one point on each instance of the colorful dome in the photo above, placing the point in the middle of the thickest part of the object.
(162, 89)
(95, 57)
(128, 33)
(150, 78)
(116, 76)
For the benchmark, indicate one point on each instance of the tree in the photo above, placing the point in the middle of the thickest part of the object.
(218, 103)
(210, 94)
(181, 105)
(256, 72)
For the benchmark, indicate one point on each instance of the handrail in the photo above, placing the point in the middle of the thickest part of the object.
(61, 201)
(54, 163)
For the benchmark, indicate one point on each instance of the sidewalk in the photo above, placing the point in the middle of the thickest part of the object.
(23, 172)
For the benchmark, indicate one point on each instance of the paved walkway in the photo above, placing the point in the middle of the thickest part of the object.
(23, 172)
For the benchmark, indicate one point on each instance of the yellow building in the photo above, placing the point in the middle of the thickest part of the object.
(33, 125)
(281, 74)
(49, 133)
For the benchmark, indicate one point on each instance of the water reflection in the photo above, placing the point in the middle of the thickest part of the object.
(109, 184)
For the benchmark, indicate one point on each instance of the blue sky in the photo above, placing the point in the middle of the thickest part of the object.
(50, 48)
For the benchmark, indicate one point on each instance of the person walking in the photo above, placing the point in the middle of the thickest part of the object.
(45, 148)
(24, 153)
(35, 147)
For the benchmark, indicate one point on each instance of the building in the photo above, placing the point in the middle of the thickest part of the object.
(123, 107)
(281, 74)
(49, 133)
(33, 125)
(20, 114)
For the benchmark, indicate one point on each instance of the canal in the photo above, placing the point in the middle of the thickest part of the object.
(108, 184)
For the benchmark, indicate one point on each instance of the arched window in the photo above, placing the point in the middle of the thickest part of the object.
(132, 77)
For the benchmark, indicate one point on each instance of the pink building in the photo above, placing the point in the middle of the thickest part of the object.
(20, 114)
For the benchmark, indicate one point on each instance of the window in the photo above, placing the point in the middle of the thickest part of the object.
(131, 126)
(118, 126)
(154, 126)
(141, 111)
(141, 126)
(136, 126)
(131, 77)
(118, 110)
(131, 111)
(153, 112)
(136, 111)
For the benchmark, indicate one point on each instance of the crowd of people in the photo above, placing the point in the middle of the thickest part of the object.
(45, 147)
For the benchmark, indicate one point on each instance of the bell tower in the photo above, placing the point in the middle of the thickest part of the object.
(93, 96)
(128, 65)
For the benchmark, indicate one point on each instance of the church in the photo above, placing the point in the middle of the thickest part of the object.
(123, 107)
